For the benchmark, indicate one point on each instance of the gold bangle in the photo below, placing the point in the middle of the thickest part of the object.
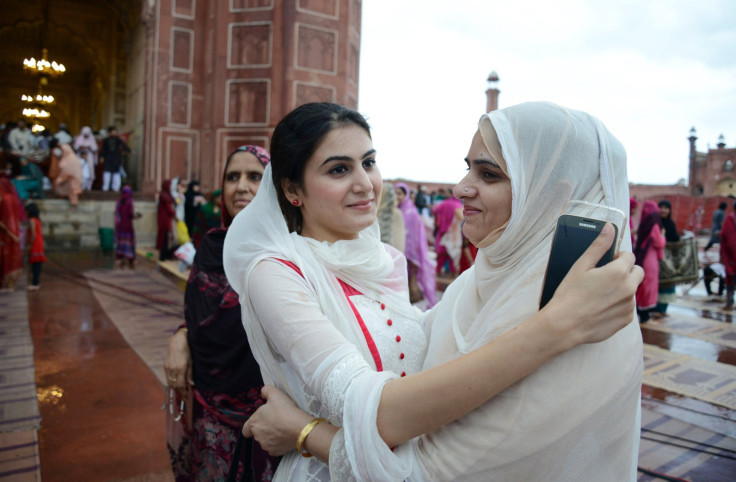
(303, 436)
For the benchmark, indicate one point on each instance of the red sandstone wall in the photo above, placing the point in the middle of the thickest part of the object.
(690, 213)
(223, 73)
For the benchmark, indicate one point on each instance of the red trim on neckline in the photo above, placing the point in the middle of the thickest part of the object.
(349, 291)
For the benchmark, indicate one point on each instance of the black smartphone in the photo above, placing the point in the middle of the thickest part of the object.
(573, 235)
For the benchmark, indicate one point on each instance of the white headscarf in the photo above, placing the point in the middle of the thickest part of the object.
(576, 418)
(86, 139)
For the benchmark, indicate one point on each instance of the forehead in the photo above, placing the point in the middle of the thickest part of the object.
(345, 140)
(244, 161)
(479, 151)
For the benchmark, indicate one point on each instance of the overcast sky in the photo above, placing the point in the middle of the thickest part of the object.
(649, 69)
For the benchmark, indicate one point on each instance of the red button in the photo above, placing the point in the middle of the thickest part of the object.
(403, 374)
(401, 356)
(383, 306)
(398, 337)
(390, 322)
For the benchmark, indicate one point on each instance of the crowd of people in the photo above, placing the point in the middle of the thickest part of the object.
(41, 161)
(656, 232)
(36, 162)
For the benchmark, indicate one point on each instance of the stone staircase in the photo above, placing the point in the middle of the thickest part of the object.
(80, 229)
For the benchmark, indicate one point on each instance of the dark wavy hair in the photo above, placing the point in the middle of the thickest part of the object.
(295, 139)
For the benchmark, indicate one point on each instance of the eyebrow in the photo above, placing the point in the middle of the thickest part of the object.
(347, 158)
(483, 161)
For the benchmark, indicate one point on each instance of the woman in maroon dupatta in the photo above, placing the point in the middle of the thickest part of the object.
(649, 250)
(165, 218)
(210, 354)
(728, 255)
(124, 229)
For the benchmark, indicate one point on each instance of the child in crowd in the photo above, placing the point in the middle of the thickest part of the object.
(36, 255)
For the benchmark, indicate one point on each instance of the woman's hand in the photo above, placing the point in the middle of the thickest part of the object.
(591, 304)
(178, 364)
(277, 423)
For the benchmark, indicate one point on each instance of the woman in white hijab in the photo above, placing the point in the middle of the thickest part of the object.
(308, 343)
(85, 145)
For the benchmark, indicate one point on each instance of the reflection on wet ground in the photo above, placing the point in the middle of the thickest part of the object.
(687, 345)
(709, 311)
(100, 404)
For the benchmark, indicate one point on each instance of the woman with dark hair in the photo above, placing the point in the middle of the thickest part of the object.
(193, 199)
(29, 183)
(326, 309)
(666, 294)
(165, 219)
(649, 250)
(719, 215)
(209, 355)
(36, 249)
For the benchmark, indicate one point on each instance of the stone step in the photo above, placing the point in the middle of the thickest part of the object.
(65, 228)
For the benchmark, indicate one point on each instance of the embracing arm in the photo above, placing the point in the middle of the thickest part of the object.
(589, 306)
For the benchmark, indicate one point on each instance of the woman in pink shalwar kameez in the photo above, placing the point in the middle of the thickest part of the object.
(448, 216)
(416, 250)
(649, 250)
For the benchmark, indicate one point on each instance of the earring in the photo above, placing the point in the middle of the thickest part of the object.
(295, 202)
(466, 190)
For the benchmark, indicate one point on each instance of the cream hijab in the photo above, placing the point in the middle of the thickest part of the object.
(575, 418)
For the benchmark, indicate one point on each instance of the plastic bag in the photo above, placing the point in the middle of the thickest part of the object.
(185, 253)
(182, 232)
